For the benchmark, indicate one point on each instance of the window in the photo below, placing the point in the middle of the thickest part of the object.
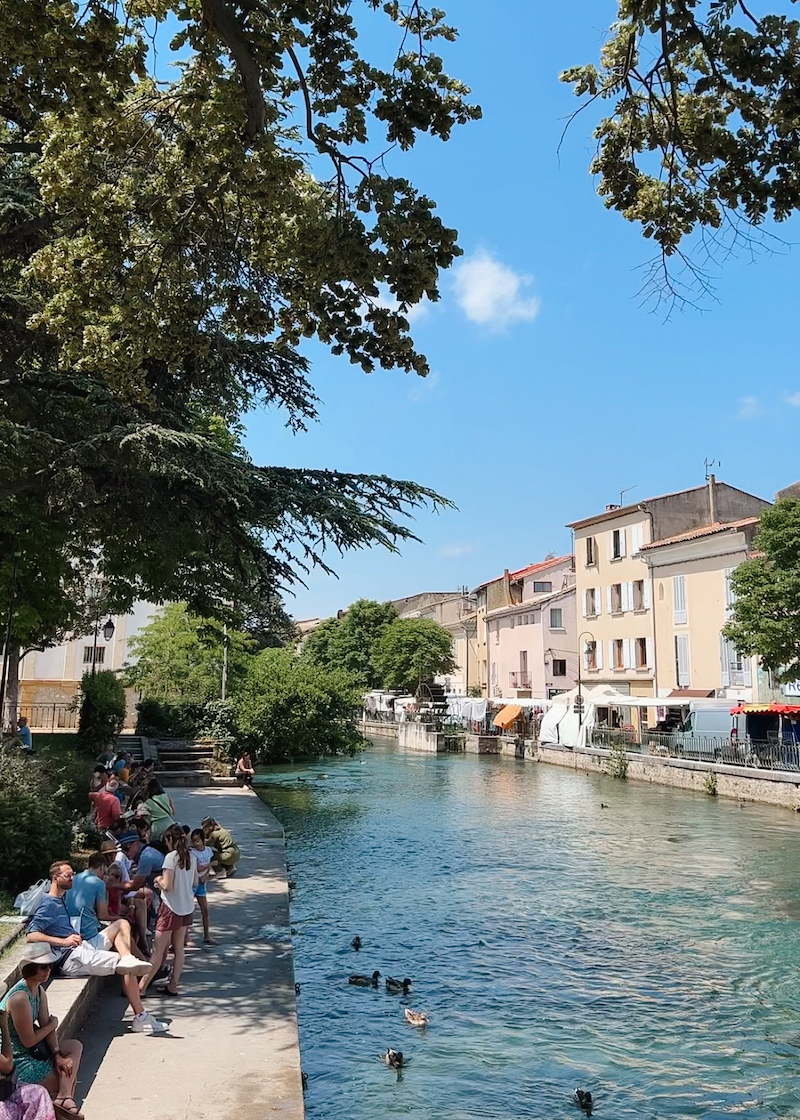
(590, 655)
(559, 667)
(638, 595)
(617, 544)
(497, 633)
(730, 594)
(541, 586)
(591, 602)
(682, 658)
(615, 600)
(556, 618)
(641, 653)
(735, 668)
(523, 661)
(590, 557)
(679, 599)
(512, 621)
(616, 654)
(99, 655)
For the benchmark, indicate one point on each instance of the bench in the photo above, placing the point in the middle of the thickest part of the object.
(68, 1000)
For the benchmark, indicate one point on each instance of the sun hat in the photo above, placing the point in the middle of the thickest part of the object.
(39, 952)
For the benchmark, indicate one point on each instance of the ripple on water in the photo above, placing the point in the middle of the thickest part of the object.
(640, 952)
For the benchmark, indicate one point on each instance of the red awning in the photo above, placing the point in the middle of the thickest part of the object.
(777, 709)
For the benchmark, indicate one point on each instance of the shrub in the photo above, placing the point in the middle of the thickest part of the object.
(34, 826)
(103, 710)
(166, 719)
(710, 784)
(617, 765)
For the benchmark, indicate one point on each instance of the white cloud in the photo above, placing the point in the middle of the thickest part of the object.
(456, 549)
(749, 407)
(491, 294)
(414, 313)
(794, 398)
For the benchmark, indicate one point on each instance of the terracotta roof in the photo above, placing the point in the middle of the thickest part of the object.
(703, 531)
(530, 570)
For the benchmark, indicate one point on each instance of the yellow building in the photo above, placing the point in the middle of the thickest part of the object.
(692, 601)
(615, 581)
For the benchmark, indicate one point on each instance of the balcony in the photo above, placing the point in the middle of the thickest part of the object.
(519, 680)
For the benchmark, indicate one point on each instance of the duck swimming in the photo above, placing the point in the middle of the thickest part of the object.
(584, 1101)
(394, 1058)
(416, 1018)
(356, 943)
(393, 985)
(365, 981)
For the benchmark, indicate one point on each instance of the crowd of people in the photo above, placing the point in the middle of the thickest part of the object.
(125, 914)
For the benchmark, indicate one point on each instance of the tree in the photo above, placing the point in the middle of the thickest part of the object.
(413, 650)
(703, 133)
(351, 642)
(103, 709)
(290, 708)
(165, 245)
(178, 656)
(766, 611)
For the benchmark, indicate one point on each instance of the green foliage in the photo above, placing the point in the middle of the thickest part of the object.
(167, 246)
(617, 762)
(351, 642)
(290, 708)
(164, 719)
(475, 690)
(710, 784)
(34, 827)
(766, 612)
(103, 708)
(703, 128)
(413, 650)
(178, 657)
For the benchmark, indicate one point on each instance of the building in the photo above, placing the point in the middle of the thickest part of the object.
(526, 623)
(692, 601)
(615, 583)
(455, 611)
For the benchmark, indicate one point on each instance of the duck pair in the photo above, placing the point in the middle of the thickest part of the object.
(392, 986)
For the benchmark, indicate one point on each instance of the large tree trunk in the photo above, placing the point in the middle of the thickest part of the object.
(12, 686)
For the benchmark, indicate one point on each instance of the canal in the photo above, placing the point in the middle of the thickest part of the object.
(646, 951)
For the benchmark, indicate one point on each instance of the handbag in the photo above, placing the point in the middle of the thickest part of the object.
(41, 1051)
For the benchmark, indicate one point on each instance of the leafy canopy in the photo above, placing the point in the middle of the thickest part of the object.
(703, 130)
(766, 613)
(166, 243)
(351, 642)
(412, 651)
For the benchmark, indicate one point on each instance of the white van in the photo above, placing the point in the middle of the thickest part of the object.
(709, 733)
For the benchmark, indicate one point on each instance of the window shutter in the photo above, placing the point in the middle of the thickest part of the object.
(622, 533)
(598, 600)
(648, 652)
(611, 653)
(586, 603)
(610, 543)
(679, 598)
(682, 649)
(609, 602)
(626, 653)
(646, 595)
(627, 596)
(724, 664)
(585, 655)
(636, 538)
(747, 672)
(730, 594)
(598, 654)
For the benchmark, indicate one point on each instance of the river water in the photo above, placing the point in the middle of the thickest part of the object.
(647, 951)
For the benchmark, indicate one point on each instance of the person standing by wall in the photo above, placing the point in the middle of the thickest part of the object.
(176, 882)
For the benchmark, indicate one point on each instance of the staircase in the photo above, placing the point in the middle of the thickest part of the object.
(182, 763)
(132, 743)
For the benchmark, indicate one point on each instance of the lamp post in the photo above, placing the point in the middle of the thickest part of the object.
(108, 634)
(12, 594)
(579, 699)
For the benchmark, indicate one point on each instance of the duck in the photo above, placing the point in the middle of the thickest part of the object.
(584, 1101)
(394, 1058)
(393, 985)
(364, 981)
(356, 943)
(416, 1018)
(603, 805)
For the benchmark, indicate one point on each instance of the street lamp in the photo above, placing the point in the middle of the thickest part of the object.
(108, 634)
(579, 699)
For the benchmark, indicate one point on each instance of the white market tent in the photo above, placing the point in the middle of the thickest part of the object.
(560, 724)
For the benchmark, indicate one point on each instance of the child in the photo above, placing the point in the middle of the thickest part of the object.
(203, 856)
(115, 888)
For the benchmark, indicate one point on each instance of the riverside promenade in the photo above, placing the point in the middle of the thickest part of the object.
(232, 1051)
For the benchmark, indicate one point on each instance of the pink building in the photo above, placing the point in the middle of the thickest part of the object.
(529, 624)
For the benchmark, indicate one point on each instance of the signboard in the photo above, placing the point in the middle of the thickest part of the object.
(791, 688)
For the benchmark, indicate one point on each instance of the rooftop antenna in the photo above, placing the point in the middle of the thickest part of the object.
(708, 464)
(622, 493)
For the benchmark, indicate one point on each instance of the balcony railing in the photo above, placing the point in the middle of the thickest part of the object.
(519, 680)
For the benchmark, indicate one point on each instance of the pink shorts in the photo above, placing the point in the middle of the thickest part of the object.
(167, 921)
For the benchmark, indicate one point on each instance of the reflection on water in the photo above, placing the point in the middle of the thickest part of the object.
(647, 952)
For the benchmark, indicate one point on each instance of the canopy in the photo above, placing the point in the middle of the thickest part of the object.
(506, 716)
(779, 709)
(604, 696)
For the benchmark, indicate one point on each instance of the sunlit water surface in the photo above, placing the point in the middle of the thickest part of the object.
(647, 951)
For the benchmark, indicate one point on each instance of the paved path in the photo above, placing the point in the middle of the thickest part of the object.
(232, 1052)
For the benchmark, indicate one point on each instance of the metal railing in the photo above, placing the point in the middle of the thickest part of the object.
(44, 717)
(758, 754)
(519, 680)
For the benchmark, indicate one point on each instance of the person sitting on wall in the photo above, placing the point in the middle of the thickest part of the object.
(24, 733)
(107, 809)
(103, 955)
(226, 850)
(244, 769)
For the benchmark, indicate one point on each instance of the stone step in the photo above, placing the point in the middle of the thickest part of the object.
(167, 766)
(186, 778)
(178, 756)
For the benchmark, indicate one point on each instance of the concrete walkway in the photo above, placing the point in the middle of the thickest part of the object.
(232, 1051)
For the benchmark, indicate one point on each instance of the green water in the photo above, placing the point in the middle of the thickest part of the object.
(647, 951)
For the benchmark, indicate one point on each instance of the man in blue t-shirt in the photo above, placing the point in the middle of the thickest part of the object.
(107, 952)
(88, 899)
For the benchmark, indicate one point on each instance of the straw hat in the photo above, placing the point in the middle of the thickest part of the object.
(39, 952)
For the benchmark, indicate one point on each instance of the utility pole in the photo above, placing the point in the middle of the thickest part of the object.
(224, 661)
(12, 594)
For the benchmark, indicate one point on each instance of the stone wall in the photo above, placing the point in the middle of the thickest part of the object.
(378, 727)
(420, 737)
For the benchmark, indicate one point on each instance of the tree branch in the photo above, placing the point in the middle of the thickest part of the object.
(219, 17)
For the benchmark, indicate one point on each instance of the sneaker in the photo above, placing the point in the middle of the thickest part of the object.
(131, 965)
(145, 1023)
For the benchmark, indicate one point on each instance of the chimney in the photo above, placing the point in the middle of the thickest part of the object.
(712, 499)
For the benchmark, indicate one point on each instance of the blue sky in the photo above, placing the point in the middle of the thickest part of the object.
(553, 387)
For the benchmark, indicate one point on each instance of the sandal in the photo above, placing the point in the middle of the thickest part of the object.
(61, 1110)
